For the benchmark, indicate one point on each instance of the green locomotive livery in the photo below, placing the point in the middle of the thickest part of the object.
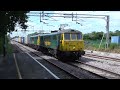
(61, 44)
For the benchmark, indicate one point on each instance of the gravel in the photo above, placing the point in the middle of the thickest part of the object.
(104, 64)
(82, 74)
(78, 72)
(113, 55)
(28, 73)
(60, 73)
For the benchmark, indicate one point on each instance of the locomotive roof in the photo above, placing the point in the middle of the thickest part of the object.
(69, 30)
(60, 31)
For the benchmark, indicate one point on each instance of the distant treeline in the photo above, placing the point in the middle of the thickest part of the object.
(98, 35)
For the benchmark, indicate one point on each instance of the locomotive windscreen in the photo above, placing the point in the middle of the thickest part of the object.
(72, 36)
(67, 36)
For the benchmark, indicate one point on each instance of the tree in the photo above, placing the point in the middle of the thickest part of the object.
(86, 36)
(117, 33)
(8, 21)
(99, 35)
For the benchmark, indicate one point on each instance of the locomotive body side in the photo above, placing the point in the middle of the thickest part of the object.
(49, 43)
(63, 44)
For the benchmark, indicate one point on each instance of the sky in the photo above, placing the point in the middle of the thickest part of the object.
(87, 25)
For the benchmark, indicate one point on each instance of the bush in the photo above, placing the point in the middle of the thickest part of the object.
(114, 45)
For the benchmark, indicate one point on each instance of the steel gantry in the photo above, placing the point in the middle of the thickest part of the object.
(75, 18)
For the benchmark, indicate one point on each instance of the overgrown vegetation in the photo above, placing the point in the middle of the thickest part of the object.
(93, 42)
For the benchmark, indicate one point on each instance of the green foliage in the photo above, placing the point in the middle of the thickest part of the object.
(117, 32)
(1, 44)
(8, 45)
(93, 36)
(92, 41)
(94, 45)
(98, 35)
(113, 46)
(9, 19)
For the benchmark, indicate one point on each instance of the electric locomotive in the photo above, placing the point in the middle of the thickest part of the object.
(62, 44)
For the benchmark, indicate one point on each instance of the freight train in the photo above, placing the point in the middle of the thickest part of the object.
(63, 44)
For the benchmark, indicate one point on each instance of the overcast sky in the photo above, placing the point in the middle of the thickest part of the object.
(86, 25)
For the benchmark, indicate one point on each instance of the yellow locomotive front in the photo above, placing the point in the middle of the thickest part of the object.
(72, 44)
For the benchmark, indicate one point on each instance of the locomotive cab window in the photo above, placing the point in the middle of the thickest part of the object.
(79, 36)
(66, 36)
(73, 36)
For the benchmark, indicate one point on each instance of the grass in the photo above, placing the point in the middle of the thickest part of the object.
(94, 45)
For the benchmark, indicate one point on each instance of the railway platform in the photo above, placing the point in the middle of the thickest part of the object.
(19, 65)
(7, 67)
(27, 63)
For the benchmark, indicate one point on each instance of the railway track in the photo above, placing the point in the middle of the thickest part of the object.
(99, 71)
(54, 64)
(38, 55)
(76, 75)
(18, 71)
(73, 71)
(102, 57)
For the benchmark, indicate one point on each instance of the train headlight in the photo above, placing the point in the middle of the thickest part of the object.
(73, 47)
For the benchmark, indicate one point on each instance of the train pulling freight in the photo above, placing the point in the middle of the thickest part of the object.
(64, 44)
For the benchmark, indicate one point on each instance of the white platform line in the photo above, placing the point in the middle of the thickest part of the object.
(44, 67)
(18, 71)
